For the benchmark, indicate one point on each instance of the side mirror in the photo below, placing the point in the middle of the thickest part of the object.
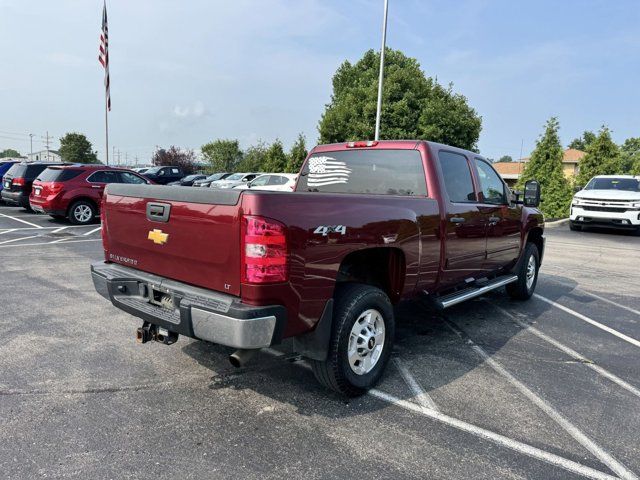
(577, 188)
(531, 193)
(248, 184)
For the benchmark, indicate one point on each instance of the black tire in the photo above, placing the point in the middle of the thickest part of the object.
(519, 289)
(85, 218)
(57, 217)
(351, 301)
(574, 228)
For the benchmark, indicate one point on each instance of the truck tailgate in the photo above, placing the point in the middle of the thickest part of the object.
(199, 243)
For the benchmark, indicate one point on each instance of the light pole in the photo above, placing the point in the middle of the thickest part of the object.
(381, 77)
(31, 135)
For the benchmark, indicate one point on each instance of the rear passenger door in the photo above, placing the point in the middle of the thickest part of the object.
(100, 179)
(464, 222)
(504, 219)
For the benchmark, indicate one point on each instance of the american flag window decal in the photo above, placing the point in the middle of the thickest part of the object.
(325, 170)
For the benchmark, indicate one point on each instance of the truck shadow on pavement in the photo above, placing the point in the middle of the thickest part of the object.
(425, 344)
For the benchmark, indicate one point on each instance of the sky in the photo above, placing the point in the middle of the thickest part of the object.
(187, 72)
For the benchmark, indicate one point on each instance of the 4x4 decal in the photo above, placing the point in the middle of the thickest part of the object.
(326, 230)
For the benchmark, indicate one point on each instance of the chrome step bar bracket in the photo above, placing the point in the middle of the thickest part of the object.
(472, 292)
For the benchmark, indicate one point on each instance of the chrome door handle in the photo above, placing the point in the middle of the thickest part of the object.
(96, 186)
(494, 220)
(457, 220)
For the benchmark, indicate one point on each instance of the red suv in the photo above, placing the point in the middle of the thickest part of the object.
(75, 191)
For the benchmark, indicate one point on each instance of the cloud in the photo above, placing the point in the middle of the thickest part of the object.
(197, 110)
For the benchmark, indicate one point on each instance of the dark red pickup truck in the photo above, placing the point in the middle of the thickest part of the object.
(369, 224)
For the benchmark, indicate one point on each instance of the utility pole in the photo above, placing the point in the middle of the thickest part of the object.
(136, 159)
(31, 135)
(46, 141)
(381, 77)
(118, 157)
(126, 159)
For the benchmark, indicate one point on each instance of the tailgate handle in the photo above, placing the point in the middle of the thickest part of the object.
(158, 212)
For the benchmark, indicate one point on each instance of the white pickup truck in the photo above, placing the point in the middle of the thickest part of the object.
(607, 201)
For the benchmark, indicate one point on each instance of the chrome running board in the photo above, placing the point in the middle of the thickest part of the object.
(460, 296)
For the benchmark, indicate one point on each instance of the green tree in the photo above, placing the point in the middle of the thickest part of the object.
(223, 155)
(254, 158)
(583, 142)
(75, 148)
(275, 158)
(602, 158)
(505, 158)
(9, 152)
(630, 156)
(297, 155)
(413, 105)
(545, 166)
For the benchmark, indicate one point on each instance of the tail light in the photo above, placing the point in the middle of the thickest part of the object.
(264, 251)
(54, 187)
(18, 182)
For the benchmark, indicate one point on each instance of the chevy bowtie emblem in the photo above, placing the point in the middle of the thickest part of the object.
(158, 236)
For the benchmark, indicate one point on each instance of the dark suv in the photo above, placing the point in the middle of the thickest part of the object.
(75, 191)
(164, 175)
(18, 180)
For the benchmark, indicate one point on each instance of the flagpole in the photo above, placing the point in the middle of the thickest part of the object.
(381, 77)
(106, 126)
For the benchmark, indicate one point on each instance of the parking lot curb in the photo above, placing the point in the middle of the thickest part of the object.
(557, 223)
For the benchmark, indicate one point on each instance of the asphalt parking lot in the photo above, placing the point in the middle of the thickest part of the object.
(547, 389)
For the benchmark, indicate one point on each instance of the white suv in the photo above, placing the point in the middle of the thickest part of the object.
(607, 201)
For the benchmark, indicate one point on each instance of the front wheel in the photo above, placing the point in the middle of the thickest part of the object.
(81, 213)
(523, 288)
(361, 341)
(574, 228)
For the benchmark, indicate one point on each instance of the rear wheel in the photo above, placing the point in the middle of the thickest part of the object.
(81, 212)
(523, 288)
(361, 342)
(574, 227)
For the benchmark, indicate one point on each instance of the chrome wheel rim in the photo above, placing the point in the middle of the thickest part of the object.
(366, 342)
(82, 213)
(531, 271)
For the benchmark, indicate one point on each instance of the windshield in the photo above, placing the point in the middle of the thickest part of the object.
(214, 177)
(188, 178)
(153, 170)
(58, 174)
(236, 176)
(626, 184)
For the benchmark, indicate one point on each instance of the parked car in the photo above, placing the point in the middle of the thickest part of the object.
(206, 182)
(276, 182)
(18, 180)
(164, 175)
(4, 167)
(234, 180)
(75, 192)
(607, 201)
(188, 180)
(369, 224)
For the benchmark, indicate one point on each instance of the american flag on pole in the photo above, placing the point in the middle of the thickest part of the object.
(103, 57)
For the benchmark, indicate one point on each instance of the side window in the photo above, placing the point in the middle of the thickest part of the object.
(175, 171)
(490, 183)
(457, 177)
(261, 181)
(275, 180)
(104, 176)
(128, 177)
(248, 178)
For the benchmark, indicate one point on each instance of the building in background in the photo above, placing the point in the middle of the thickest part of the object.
(511, 171)
(45, 156)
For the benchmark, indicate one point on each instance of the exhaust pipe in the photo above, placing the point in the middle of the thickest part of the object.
(240, 357)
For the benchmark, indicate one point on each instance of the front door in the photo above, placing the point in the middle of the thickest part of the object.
(504, 219)
(464, 222)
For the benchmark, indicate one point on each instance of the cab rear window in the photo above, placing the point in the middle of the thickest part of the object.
(58, 174)
(374, 172)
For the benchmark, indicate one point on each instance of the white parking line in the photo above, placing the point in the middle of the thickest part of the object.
(605, 457)
(599, 325)
(569, 351)
(20, 220)
(18, 239)
(91, 231)
(422, 397)
(55, 227)
(58, 241)
(59, 229)
(47, 243)
(496, 438)
(9, 230)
